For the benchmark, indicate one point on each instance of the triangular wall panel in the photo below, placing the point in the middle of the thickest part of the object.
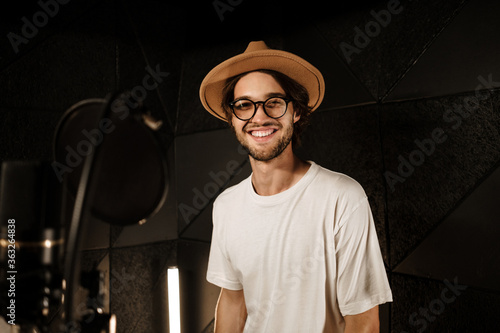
(459, 55)
(465, 244)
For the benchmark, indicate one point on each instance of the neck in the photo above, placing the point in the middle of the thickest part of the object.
(279, 174)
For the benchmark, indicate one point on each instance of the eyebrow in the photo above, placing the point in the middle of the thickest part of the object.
(266, 96)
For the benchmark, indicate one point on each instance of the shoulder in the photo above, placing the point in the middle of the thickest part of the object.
(229, 204)
(232, 193)
(342, 184)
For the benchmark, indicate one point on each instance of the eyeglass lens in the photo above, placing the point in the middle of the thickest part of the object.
(274, 107)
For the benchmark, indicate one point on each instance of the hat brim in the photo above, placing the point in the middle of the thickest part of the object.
(281, 61)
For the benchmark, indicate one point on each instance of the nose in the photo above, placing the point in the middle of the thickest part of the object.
(260, 115)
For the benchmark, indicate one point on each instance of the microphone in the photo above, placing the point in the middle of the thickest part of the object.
(31, 241)
(108, 164)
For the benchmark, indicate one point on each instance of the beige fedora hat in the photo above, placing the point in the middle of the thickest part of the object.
(259, 56)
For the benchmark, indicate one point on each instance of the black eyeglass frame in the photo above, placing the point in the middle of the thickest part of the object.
(255, 107)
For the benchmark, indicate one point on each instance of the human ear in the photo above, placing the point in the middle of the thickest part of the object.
(296, 117)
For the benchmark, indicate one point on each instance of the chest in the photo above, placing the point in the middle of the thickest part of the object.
(278, 239)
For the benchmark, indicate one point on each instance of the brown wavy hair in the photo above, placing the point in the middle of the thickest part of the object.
(293, 90)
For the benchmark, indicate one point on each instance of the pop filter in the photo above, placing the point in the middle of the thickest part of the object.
(129, 175)
(109, 160)
(108, 155)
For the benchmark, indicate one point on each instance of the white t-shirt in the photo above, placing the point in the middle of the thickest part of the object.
(304, 257)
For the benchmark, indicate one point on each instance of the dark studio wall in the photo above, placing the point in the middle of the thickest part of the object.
(411, 112)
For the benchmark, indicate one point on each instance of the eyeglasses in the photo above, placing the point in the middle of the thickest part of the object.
(274, 107)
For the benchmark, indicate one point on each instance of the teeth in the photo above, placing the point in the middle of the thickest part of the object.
(261, 134)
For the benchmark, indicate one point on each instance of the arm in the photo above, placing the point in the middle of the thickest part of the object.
(231, 311)
(366, 322)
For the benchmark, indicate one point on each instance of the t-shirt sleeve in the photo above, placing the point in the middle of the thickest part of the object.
(362, 280)
(220, 271)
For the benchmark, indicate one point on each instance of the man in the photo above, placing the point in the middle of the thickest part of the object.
(294, 247)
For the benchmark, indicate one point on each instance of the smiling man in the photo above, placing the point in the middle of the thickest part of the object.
(294, 247)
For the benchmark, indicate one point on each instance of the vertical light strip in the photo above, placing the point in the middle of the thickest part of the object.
(174, 308)
(112, 324)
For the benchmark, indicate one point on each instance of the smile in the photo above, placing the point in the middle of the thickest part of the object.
(262, 133)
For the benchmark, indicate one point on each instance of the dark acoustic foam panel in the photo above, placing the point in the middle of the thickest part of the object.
(465, 244)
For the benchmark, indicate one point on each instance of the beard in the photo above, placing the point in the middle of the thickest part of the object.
(270, 153)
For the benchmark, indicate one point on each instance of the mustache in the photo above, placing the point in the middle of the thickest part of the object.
(249, 126)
